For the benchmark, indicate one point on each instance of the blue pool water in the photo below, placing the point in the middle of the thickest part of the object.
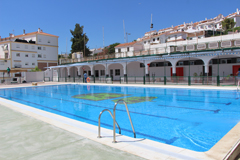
(188, 118)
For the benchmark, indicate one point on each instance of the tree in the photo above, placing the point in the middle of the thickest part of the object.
(228, 23)
(78, 42)
(36, 69)
(111, 48)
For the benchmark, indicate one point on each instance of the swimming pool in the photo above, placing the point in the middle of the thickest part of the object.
(188, 118)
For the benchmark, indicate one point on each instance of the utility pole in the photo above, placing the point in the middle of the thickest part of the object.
(103, 37)
(124, 32)
(127, 36)
(84, 45)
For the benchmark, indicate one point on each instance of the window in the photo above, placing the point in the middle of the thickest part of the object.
(142, 65)
(102, 72)
(39, 48)
(26, 55)
(158, 38)
(44, 56)
(48, 41)
(145, 42)
(210, 62)
(238, 60)
(33, 64)
(44, 48)
(153, 39)
(33, 55)
(180, 63)
(128, 49)
(18, 54)
(18, 46)
(192, 63)
(223, 61)
(33, 47)
(119, 50)
(26, 64)
(39, 56)
(117, 72)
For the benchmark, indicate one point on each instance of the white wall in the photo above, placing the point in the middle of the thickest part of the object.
(113, 67)
(47, 40)
(34, 76)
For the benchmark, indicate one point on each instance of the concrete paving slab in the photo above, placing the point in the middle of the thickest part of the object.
(24, 137)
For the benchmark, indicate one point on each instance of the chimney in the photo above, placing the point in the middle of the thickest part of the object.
(38, 30)
(24, 32)
(237, 11)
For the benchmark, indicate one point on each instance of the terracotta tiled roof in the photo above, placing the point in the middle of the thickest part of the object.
(126, 44)
(28, 34)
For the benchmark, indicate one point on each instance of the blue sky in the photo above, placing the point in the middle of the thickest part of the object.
(57, 17)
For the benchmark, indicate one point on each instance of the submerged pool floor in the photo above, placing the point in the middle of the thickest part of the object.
(188, 118)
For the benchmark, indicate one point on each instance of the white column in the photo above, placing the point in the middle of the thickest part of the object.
(79, 70)
(92, 70)
(206, 66)
(106, 70)
(68, 71)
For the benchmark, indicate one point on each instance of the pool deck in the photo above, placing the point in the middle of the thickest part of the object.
(50, 136)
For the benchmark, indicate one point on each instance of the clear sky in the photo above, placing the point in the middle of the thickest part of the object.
(57, 17)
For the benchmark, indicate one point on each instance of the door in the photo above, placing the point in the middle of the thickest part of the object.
(111, 73)
(235, 69)
(96, 73)
(179, 71)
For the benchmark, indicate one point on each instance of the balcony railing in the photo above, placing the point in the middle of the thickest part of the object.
(208, 46)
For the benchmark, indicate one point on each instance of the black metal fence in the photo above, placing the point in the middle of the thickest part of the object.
(157, 80)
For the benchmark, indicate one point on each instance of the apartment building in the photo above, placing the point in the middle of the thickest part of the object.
(26, 51)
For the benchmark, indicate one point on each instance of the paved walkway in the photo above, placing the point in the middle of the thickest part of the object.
(23, 137)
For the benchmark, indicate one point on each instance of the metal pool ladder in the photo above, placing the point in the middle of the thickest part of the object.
(114, 120)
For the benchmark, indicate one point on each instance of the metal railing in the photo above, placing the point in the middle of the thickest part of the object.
(157, 80)
(182, 47)
(114, 120)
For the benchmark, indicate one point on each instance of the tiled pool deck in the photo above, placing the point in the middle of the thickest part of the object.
(30, 133)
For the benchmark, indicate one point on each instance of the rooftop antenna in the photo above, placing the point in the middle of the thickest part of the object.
(151, 26)
(124, 32)
(103, 37)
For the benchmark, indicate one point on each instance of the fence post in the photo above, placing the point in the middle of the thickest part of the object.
(189, 80)
(120, 80)
(94, 79)
(74, 79)
(165, 80)
(218, 80)
(143, 79)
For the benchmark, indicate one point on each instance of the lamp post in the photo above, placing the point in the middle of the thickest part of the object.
(127, 36)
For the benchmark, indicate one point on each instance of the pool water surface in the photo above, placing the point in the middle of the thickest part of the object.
(194, 119)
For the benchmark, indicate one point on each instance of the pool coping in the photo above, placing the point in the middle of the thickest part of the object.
(224, 149)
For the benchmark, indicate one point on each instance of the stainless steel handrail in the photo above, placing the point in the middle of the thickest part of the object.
(114, 119)
(99, 122)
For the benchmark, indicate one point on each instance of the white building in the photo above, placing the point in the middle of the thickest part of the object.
(26, 51)
(182, 51)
